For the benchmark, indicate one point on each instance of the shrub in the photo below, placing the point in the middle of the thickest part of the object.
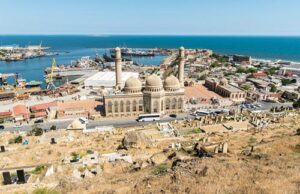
(38, 169)
(53, 127)
(161, 169)
(36, 131)
(89, 151)
(45, 190)
(252, 140)
(17, 139)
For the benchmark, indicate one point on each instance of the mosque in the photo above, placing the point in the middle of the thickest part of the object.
(154, 96)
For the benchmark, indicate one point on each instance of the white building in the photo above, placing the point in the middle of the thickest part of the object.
(107, 79)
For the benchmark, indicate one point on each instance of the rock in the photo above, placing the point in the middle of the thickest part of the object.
(224, 148)
(76, 174)
(172, 155)
(298, 131)
(88, 174)
(134, 139)
(136, 166)
(200, 151)
(246, 152)
(158, 158)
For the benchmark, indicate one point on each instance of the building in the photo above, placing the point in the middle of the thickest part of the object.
(154, 96)
(224, 89)
(291, 69)
(41, 110)
(107, 79)
(77, 108)
(21, 113)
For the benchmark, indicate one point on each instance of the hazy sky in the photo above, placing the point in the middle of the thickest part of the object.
(183, 17)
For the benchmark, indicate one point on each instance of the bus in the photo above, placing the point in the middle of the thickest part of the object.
(148, 117)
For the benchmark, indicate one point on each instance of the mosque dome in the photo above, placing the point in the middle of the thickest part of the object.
(171, 83)
(153, 83)
(133, 85)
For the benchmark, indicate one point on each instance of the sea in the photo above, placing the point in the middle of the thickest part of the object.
(73, 47)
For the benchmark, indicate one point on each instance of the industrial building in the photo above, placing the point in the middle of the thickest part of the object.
(107, 79)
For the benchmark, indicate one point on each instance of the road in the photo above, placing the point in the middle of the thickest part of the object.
(122, 122)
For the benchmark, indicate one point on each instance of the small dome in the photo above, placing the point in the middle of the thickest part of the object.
(117, 49)
(181, 48)
(133, 85)
(224, 81)
(171, 83)
(153, 81)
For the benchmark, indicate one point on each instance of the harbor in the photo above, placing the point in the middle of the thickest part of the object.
(17, 53)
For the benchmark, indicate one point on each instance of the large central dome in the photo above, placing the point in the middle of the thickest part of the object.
(171, 83)
(132, 85)
(153, 83)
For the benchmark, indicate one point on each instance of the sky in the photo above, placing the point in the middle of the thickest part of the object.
(158, 17)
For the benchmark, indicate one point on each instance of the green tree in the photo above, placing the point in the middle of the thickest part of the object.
(36, 131)
(273, 88)
(296, 104)
(271, 70)
(53, 127)
(285, 81)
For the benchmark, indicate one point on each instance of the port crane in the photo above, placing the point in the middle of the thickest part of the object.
(49, 80)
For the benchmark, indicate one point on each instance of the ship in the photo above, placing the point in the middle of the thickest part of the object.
(33, 84)
(134, 52)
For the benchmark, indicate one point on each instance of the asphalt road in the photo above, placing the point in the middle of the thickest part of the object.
(125, 122)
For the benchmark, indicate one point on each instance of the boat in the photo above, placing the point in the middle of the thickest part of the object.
(33, 84)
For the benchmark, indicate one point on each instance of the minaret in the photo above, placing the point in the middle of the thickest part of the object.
(118, 68)
(181, 66)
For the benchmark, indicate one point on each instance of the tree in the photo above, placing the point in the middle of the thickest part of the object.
(285, 81)
(202, 77)
(273, 88)
(246, 87)
(53, 128)
(271, 71)
(296, 104)
(36, 131)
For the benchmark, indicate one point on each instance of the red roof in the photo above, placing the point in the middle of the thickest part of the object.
(5, 114)
(43, 106)
(20, 110)
(259, 74)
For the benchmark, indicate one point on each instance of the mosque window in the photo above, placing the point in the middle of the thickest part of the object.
(180, 102)
(174, 103)
(122, 106)
(141, 105)
(116, 105)
(127, 106)
(134, 106)
(155, 107)
(168, 104)
(109, 107)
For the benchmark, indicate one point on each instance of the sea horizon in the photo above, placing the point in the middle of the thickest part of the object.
(258, 47)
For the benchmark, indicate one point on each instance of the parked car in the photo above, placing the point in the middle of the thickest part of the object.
(39, 121)
(1, 127)
(173, 115)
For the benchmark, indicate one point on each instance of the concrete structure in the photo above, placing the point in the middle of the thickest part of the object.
(154, 97)
(223, 88)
